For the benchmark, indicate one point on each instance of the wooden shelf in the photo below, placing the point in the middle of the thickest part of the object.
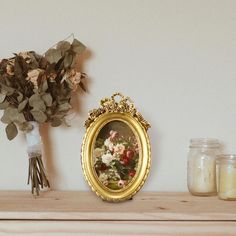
(83, 213)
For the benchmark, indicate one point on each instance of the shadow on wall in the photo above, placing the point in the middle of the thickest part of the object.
(45, 129)
(155, 141)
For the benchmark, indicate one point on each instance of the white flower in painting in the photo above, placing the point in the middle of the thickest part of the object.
(119, 148)
(108, 143)
(114, 174)
(116, 156)
(107, 158)
(98, 152)
(103, 177)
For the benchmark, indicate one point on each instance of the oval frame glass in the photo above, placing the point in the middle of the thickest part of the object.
(123, 111)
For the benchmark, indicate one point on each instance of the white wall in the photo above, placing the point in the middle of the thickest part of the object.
(175, 59)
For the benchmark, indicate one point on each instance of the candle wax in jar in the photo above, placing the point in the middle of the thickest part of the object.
(204, 175)
(227, 182)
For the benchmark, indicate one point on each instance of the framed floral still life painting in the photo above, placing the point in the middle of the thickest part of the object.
(116, 152)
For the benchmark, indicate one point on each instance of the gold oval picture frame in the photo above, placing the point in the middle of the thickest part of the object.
(116, 153)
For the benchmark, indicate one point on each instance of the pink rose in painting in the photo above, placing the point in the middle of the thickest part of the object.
(130, 154)
(113, 134)
(121, 183)
(119, 148)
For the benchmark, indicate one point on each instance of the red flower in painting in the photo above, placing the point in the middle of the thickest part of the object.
(125, 161)
(103, 167)
(132, 173)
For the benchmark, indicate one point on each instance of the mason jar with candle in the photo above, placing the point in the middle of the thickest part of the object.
(202, 166)
(226, 171)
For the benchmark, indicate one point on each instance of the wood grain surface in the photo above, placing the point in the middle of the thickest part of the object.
(83, 213)
(87, 206)
(116, 228)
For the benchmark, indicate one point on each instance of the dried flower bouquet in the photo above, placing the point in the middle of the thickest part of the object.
(35, 89)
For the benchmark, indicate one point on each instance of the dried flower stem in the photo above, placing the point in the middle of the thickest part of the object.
(36, 175)
(71, 35)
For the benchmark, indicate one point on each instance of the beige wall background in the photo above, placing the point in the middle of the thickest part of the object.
(175, 59)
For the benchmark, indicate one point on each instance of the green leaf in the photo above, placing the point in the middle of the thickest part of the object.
(43, 63)
(7, 89)
(11, 131)
(74, 61)
(68, 60)
(6, 119)
(45, 85)
(22, 105)
(49, 112)
(19, 97)
(17, 68)
(4, 105)
(56, 122)
(34, 98)
(20, 118)
(35, 90)
(35, 60)
(53, 55)
(63, 46)
(78, 47)
(8, 81)
(64, 122)
(47, 97)
(26, 127)
(12, 115)
(37, 103)
(64, 107)
(2, 96)
(39, 116)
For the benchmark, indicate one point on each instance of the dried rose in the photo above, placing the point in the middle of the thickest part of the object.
(25, 56)
(52, 77)
(33, 76)
(10, 69)
(73, 78)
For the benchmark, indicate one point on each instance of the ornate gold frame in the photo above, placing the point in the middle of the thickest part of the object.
(111, 110)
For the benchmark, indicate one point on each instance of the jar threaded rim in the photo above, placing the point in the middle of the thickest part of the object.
(226, 158)
(204, 142)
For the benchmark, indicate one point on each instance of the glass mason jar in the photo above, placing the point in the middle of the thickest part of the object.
(226, 175)
(202, 166)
